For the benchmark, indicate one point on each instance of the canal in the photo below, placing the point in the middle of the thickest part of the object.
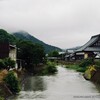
(65, 85)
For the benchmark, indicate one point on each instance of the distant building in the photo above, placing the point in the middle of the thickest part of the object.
(52, 58)
(62, 55)
(88, 50)
(74, 56)
(12, 52)
(70, 54)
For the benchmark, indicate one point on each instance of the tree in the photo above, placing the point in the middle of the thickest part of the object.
(3, 36)
(25, 52)
(38, 54)
(53, 54)
(6, 37)
(30, 53)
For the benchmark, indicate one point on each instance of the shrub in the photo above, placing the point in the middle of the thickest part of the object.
(86, 62)
(2, 64)
(9, 63)
(1, 98)
(50, 68)
(12, 82)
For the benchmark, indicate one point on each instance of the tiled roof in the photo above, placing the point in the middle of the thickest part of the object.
(86, 47)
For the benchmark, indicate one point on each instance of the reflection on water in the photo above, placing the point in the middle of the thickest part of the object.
(34, 84)
(65, 85)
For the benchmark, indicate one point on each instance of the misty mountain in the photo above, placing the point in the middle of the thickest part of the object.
(26, 36)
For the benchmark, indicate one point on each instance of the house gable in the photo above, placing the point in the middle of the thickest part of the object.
(92, 45)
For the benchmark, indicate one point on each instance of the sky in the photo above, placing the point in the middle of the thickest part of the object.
(62, 23)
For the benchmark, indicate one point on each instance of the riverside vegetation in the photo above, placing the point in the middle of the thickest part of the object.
(49, 69)
(84, 64)
(8, 79)
(12, 82)
(11, 79)
(31, 55)
(90, 69)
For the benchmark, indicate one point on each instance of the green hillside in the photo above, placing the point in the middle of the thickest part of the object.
(13, 38)
(26, 36)
(6, 37)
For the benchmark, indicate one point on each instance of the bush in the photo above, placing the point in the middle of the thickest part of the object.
(12, 82)
(1, 98)
(50, 68)
(2, 64)
(9, 63)
(86, 62)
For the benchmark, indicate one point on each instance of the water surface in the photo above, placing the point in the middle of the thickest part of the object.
(65, 85)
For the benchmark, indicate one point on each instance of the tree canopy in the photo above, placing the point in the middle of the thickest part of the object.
(53, 54)
(6, 37)
(30, 53)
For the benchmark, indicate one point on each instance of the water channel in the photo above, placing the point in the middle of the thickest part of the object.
(65, 85)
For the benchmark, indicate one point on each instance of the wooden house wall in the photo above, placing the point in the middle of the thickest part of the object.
(4, 50)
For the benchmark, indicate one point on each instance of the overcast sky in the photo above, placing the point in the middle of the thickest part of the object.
(62, 23)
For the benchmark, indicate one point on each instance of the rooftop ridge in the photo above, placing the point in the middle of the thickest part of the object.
(98, 35)
(89, 43)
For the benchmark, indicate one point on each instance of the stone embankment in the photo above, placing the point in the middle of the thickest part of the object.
(96, 77)
(93, 75)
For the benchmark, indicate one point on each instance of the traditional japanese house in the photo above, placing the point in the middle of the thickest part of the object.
(71, 55)
(88, 50)
(91, 48)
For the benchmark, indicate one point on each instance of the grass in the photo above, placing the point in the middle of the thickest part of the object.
(76, 67)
